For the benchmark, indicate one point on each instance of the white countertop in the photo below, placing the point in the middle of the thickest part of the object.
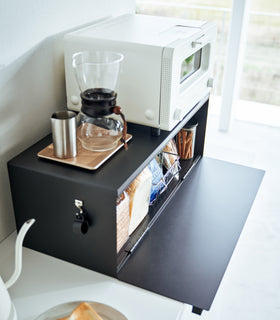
(46, 282)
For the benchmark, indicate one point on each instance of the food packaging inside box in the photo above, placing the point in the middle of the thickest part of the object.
(133, 204)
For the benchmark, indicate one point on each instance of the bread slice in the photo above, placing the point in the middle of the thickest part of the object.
(139, 198)
(83, 312)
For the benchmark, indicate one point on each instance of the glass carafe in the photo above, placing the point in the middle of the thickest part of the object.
(100, 123)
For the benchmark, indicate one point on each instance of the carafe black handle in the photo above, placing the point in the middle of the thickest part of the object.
(118, 110)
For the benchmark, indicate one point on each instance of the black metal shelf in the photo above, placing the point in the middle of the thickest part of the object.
(182, 247)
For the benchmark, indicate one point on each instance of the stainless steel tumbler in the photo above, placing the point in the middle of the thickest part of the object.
(64, 134)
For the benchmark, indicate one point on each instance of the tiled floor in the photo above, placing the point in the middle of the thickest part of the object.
(250, 289)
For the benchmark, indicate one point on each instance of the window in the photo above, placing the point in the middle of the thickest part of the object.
(190, 65)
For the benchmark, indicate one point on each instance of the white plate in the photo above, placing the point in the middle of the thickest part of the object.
(65, 309)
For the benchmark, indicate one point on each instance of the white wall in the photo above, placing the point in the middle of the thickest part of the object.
(32, 73)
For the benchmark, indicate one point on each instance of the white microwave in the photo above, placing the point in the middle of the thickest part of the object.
(167, 66)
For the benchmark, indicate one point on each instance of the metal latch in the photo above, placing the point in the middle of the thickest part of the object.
(80, 224)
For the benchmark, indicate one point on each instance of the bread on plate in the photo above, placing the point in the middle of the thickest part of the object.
(83, 312)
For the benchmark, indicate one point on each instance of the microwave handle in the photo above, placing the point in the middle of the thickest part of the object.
(199, 41)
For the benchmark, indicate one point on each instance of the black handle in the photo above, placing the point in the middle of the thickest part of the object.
(80, 226)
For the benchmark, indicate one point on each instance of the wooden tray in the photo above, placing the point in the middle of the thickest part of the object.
(86, 159)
